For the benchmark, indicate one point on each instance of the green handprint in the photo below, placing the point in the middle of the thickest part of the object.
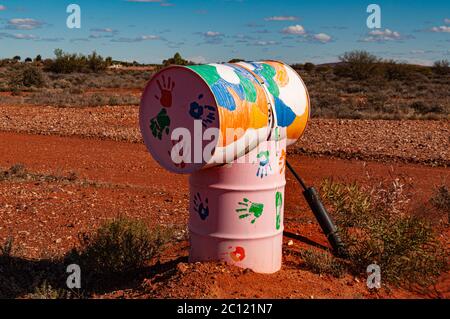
(278, 204)
(160, 124)
(247, 208)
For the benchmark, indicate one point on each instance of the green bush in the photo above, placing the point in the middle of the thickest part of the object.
(376, 230)
(29, 76)
(323, 263)
(46, 291)
(441, 67)
(69, 63)
(441, 199)
(121, 245)
(32, 76)
(424, 108)
(309, 67)
(357, 65)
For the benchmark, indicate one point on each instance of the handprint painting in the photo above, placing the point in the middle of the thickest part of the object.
(288, 95)
(245, 104)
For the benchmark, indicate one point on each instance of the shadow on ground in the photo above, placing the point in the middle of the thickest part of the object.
(46, 278)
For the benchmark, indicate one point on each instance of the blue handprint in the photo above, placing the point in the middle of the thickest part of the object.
(206, 113)
(201, 208)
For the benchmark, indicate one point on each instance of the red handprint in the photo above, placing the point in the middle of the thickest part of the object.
(166, 91)
(238, 254)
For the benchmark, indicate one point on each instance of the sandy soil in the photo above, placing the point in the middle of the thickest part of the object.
(120, 178)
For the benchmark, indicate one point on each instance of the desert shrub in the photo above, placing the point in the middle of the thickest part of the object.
(441, 199)
(309, 67)
(357, 65)
(32, 76)
(324, 69)
(297, 66)
(27, 77)
(424, 108)
(441, 67)
(120, 245)
(376, 229)
(378, 102)
(6, 249)
(355, 88)
(46, 291)
(236, 60)
(17, 171)
(394, 71)
(69, 63)
(323, 263)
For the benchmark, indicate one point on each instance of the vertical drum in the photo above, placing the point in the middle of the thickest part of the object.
(236, 212)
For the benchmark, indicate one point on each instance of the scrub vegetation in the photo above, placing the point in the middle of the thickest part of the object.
(376, 228)
(360, 86)
(120, 247)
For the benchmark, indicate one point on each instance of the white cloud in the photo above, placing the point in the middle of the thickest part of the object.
(106, 30)
(2, 7)
(294, 29)
(442, 28)
(281, 18)
(24, 24)
(137, 39)
(212, 34)
(262, 43)
(20, 36)
(322, 37)
(149, 37)
(423, 62)
(198, 59)
(383, 35)
(212, 37)
(447, 21)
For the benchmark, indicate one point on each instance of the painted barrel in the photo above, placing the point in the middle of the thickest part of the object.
(236, 210)
(200, 116)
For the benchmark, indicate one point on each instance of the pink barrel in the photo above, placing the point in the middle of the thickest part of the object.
(236, 212)
(238, 177)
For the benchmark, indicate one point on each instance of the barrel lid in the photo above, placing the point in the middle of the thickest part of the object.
(177, 106)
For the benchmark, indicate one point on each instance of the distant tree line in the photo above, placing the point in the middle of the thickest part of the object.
(357, 65)
(362, 65)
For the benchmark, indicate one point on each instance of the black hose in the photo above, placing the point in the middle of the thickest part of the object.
(323, 218)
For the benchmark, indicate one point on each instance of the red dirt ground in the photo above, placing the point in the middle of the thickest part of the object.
(120, 178)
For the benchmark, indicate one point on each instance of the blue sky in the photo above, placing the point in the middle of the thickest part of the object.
(218, 30)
